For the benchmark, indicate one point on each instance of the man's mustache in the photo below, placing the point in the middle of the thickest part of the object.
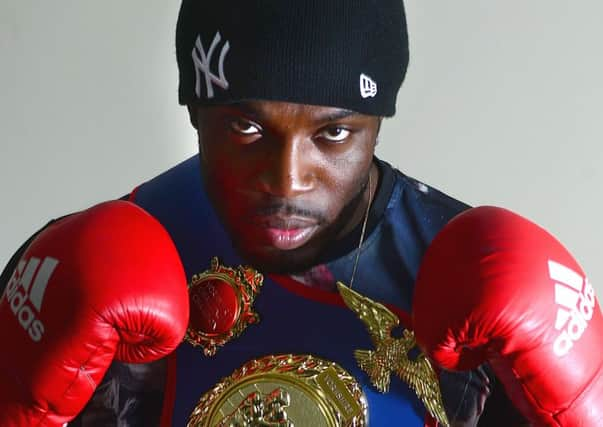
(288, 208)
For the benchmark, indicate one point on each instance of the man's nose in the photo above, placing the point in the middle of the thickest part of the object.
(288, 171)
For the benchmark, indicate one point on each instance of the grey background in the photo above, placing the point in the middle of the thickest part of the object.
(502, 105)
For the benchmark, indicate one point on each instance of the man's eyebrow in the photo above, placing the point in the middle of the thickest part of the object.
(246, 108)
(332, 116)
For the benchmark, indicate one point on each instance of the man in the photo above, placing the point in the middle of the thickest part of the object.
(287, 99)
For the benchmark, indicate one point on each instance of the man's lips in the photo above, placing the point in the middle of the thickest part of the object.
(284, 232)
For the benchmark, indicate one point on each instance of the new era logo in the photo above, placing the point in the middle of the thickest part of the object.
(368, 87)
(25, 293)
(202, 62)
(575, 299)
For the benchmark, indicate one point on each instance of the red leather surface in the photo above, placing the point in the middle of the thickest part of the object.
(118, 290)
(487, 291)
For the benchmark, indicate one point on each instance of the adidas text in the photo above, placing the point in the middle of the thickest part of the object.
(575, 299)
(25, 292)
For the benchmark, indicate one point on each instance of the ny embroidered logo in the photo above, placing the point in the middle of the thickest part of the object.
(202, 62)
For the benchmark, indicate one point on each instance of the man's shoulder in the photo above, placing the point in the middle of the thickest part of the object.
(172, 190)
(186, 171)
(429, 196)
(420, 195)
(420, 205)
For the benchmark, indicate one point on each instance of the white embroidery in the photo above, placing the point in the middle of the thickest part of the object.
(368, 87)
(202, 64)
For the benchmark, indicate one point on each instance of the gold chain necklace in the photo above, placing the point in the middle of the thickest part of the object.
(363, 231)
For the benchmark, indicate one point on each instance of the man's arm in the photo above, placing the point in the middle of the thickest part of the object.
(500, 412)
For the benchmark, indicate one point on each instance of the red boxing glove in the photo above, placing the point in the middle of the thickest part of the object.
(495, 287)
(101, 284)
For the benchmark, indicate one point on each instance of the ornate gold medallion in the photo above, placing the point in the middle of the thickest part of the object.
(284, 390)
(221, 300)
(391, 354)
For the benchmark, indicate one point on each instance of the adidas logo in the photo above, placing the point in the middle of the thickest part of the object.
(25, 293)
(575, 298)
(368, 87)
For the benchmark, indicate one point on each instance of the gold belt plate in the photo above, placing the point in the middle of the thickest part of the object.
(284, 390)
(221, 305)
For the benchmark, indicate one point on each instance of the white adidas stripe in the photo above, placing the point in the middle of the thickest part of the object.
(30, 270)
(565, 296)
(41, 282)
(565, 275)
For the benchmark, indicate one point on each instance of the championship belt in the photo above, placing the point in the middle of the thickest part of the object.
(297, 390)
(276, 390)
(284, 390)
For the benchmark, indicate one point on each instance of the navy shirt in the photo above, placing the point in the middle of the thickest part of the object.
(404, 217)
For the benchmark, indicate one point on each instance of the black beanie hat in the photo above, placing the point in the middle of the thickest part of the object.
(350, 54)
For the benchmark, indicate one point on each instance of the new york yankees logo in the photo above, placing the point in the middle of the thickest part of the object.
(202, 62)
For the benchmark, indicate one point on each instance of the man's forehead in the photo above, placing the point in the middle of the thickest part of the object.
(262, 109)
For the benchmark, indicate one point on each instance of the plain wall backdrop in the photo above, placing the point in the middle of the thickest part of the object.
(502, 105)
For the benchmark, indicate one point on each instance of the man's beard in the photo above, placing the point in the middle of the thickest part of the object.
(302, 259)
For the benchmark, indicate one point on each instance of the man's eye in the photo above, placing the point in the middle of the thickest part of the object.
(244, 127)
(335, 134)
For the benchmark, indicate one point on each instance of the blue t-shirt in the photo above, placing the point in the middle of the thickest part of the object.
(404, 217)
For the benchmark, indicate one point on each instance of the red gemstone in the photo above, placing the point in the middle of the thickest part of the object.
(214, 307)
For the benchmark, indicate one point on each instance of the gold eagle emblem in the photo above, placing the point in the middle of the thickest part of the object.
(391, 354)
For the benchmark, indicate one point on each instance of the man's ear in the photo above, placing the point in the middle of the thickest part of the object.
(192, 115)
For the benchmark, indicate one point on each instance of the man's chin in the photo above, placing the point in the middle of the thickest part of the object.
(274, 261)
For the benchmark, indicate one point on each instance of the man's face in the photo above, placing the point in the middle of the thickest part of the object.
(286, 179)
